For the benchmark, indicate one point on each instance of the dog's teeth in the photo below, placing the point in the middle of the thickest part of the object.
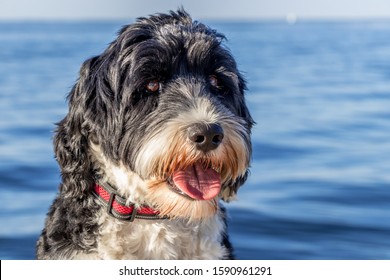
(217, 169)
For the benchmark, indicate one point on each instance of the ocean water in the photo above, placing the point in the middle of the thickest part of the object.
(319, 91)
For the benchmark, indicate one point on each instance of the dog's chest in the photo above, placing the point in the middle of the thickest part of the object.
(161, 239)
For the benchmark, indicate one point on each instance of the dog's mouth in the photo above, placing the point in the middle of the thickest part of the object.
(196, 182)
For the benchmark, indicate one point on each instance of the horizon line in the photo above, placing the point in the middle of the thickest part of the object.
(286, 18)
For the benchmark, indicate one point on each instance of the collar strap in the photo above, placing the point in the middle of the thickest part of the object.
(118, 208)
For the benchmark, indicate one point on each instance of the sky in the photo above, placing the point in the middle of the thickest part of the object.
(199, 9)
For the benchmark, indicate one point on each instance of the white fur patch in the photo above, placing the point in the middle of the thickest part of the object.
(127, 182)
(158, 240)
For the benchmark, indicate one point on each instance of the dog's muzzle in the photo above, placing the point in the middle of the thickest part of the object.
(199, 181)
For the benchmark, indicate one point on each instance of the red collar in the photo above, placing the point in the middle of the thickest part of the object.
(117, 207)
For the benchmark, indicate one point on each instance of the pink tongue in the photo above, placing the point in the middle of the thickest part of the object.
(197, 182)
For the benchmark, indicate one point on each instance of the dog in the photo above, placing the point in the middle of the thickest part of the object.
(157, 134)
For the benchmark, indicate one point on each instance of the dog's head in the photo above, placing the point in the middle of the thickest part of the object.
(164, 108)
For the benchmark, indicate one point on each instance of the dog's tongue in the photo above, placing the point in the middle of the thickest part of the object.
(198, 183)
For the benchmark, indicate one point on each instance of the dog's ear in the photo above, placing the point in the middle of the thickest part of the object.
(229, 190)
(243, 110)
(71, 138)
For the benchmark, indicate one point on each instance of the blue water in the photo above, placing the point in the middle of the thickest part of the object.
(319, 92)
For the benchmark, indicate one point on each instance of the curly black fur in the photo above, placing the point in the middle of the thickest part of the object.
(110, 106)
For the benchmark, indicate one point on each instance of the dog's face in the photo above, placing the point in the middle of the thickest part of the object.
(165, 103)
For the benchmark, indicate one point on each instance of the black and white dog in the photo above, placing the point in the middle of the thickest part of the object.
(156, 134)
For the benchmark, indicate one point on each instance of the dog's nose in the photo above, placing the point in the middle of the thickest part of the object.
(206, 137)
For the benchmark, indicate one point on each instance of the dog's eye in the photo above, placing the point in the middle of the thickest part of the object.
(214, 82)
(152, 86)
